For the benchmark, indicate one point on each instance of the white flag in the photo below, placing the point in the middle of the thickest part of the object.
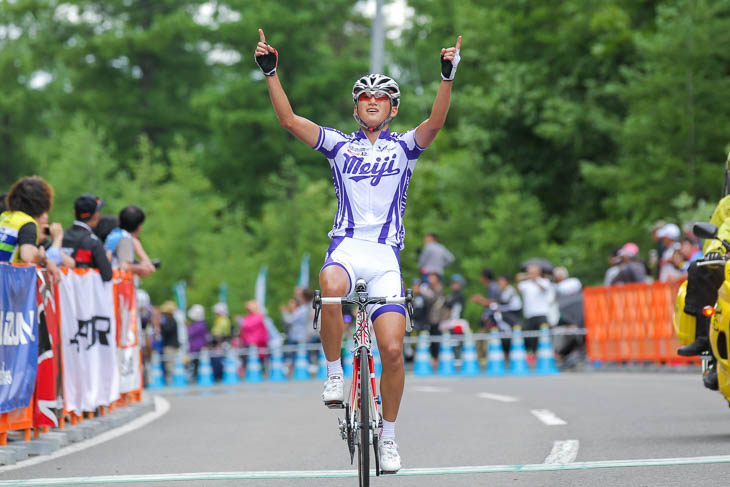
(88, 341)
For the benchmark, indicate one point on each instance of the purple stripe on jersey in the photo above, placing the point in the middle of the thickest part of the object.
(336, 179)
(411, 154)
(347, 209)
(403, 196)
(388, 308)
(319, 139)
(393, 209)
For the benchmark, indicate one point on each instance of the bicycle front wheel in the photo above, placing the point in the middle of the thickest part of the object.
(363, 457)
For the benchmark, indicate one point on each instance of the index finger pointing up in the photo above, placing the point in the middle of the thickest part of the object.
(262, 38)
(458, 41)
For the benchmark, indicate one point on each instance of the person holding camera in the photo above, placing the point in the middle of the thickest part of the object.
(123, 243)
(80, 242)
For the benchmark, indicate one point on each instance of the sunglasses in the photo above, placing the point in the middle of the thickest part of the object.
(368, 95)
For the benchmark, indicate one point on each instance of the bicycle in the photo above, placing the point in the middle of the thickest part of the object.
(362, 417)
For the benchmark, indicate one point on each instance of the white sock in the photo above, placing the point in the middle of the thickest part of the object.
(388, 429)
(334, 367)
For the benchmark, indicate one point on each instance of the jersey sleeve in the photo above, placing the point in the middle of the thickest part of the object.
(410, 146)
(28, 234)
(330, 141)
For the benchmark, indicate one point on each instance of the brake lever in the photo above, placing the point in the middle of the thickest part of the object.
(317, 305)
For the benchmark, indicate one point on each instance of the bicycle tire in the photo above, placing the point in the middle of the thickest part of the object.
(363, 457)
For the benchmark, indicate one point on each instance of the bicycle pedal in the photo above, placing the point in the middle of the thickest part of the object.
(335, 404)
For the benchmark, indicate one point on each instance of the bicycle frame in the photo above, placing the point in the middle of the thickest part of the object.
(361, 339)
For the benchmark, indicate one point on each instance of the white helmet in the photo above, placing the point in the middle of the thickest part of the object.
(374, 83)
(377, 82)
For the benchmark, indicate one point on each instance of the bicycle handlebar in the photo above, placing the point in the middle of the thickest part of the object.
(362, 301)
(703, 263)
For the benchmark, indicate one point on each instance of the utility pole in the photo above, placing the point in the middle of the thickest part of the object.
(377, 40)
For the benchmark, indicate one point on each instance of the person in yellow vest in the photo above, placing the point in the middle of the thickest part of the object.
(29, 201)
(703, 282)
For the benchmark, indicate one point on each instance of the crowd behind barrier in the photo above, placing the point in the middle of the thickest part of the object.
(69, 349)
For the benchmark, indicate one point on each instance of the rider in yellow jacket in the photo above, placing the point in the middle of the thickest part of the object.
(704, 282)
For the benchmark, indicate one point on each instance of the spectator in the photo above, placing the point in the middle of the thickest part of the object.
(52, 242)
(198, 336)
(537, 294)
(667, 236)
(613, 267)
(106, 224)
(434, 256)
(570, 303)
(28, 202)
(420, 307)
(253, 328)
(564, 284)
(124, 243)
(628, 268)
(437, 310)
(656, 253)
(455, 302)
(168, 330)
(672, 271)
(491, 295)
(509, 304)
(221, 330)
(690, 251)
(297, 316)
(80, 242)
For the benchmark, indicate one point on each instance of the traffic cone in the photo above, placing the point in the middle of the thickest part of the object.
(517, 354)
(253, 366)
(179, 374)
(446, 357)
(301, 363)
(322, 373)
(157, 375)
(469, 360)
(231, 364)
(377, 364)
(276, 366)
(422, 361)
(495, 355)
(347, 359)
(205, 369)
(545, 353)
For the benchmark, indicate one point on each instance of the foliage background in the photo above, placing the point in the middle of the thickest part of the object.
(574, 125)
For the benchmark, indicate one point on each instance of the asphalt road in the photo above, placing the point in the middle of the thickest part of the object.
(508, 427)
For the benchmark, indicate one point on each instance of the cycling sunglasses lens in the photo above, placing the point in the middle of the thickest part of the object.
(378, 95)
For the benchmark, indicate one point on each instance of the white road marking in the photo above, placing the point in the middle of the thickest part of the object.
(497, 397)
(430, 389)
(547, 417)
(563, 452)
(162, 406)
(308, 474)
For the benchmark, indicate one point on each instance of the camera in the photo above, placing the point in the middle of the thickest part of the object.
(156, 263)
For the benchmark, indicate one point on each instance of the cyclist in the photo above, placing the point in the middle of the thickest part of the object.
(371, 169)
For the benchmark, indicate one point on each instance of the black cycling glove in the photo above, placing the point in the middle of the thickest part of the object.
(448, 68)
(268, 62)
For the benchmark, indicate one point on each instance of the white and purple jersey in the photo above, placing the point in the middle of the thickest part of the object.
(371, 182)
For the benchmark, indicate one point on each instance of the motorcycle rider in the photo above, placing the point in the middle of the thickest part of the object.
(703, 282)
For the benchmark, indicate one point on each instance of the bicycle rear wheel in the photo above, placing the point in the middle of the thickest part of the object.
(363, 456)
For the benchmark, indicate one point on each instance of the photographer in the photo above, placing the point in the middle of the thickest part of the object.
(123, 242)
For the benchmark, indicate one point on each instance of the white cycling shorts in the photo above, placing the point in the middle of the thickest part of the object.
(378, 264)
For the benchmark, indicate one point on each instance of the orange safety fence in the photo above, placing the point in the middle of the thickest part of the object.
(25, 419)
(632, 323)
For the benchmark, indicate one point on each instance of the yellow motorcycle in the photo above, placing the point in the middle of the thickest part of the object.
(685, 325)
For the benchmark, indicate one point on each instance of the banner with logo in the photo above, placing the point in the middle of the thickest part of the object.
(88, 341)
(18, 332)
(130, 373)
(44, 414)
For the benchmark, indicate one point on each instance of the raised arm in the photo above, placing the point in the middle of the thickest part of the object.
(429, 128)
(268, 58)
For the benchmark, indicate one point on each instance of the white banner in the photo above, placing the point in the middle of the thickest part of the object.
(88, 342)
